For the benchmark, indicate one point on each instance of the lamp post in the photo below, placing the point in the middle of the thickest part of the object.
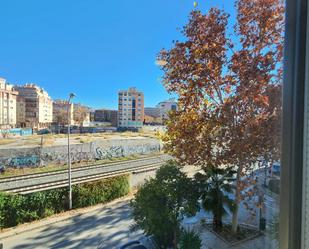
(71, 96)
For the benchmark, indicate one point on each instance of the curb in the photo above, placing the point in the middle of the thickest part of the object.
(26, 227)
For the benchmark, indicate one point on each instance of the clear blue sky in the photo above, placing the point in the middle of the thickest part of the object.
(92, 48)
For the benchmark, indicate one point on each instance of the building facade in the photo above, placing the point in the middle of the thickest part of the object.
(38, 106)
(130, 108)
(165, 107)
(152, 112)
(7, 105)
(104, 115)
(20, 112)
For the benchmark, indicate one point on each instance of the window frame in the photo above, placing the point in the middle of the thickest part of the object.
(293, 124)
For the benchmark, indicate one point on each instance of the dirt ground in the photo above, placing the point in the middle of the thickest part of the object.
(61, 139)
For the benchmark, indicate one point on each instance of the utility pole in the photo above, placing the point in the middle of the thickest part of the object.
(71, 96)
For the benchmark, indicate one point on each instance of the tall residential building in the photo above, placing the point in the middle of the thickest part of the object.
(165, 107)
(7, 105)
(104, 115)
(38, 106)
(130, 108)
(60, 112)
(20, 112)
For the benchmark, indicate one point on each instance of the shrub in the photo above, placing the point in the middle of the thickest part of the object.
(92, 193)
(17, 209)
(190, 240)
(161, 202)
(11, 210)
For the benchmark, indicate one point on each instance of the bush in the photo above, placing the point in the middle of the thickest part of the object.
(88, 194)
(17, 209)
(190, 240)
(161, 202)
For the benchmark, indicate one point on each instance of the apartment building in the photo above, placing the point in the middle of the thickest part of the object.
(20, 112)
(104, 115)
(38, 106)
(152, 112)
(7, 105)
(165, 107)
(130, 108)
(60, 112)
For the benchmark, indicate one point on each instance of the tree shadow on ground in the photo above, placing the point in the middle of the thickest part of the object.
(108, 226)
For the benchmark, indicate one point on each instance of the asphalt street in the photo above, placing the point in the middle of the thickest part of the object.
(108, 226)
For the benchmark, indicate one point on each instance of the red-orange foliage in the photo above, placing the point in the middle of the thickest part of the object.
(229, 90)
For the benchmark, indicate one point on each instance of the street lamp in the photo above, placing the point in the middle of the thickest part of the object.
(71, 96)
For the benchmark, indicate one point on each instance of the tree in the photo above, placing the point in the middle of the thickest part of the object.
(228, 89)
(159, 205)
(81, 113)
(61, 118)
(216, 186)
(190, 240)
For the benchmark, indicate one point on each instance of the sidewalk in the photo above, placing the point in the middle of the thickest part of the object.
(211, 241)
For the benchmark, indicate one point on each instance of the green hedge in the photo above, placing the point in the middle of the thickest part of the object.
(17, 209)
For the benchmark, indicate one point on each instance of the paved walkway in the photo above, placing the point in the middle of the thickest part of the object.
(211, 241)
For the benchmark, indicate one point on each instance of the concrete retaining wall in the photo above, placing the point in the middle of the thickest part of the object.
(97, 150)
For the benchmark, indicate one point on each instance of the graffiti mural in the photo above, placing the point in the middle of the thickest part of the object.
(42, 156)
(24, 161)
(109, 153)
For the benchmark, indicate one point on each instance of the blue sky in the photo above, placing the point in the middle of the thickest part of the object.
(92, 48)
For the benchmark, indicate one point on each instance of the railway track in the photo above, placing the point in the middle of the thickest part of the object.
(43, 181)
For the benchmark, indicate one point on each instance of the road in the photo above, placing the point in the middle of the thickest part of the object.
(108, 225)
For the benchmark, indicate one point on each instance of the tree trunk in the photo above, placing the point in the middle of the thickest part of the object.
(237, 200)
(217, 222)
(175, 240)
(235, 219)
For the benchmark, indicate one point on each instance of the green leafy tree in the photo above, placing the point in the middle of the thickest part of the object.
(216, 186)
(190, 240)
(161, 202)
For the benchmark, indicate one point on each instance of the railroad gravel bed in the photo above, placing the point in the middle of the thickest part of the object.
(50, 177)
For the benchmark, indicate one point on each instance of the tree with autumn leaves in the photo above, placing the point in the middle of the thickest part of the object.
(229, 90)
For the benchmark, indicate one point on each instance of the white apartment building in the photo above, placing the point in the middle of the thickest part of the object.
(38, 106)
(165, 107)
(7, 105)
(130, 108)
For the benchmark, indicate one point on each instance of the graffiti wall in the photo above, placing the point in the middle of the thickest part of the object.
(98, 150)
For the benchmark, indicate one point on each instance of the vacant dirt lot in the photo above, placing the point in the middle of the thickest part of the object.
(61, 139)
